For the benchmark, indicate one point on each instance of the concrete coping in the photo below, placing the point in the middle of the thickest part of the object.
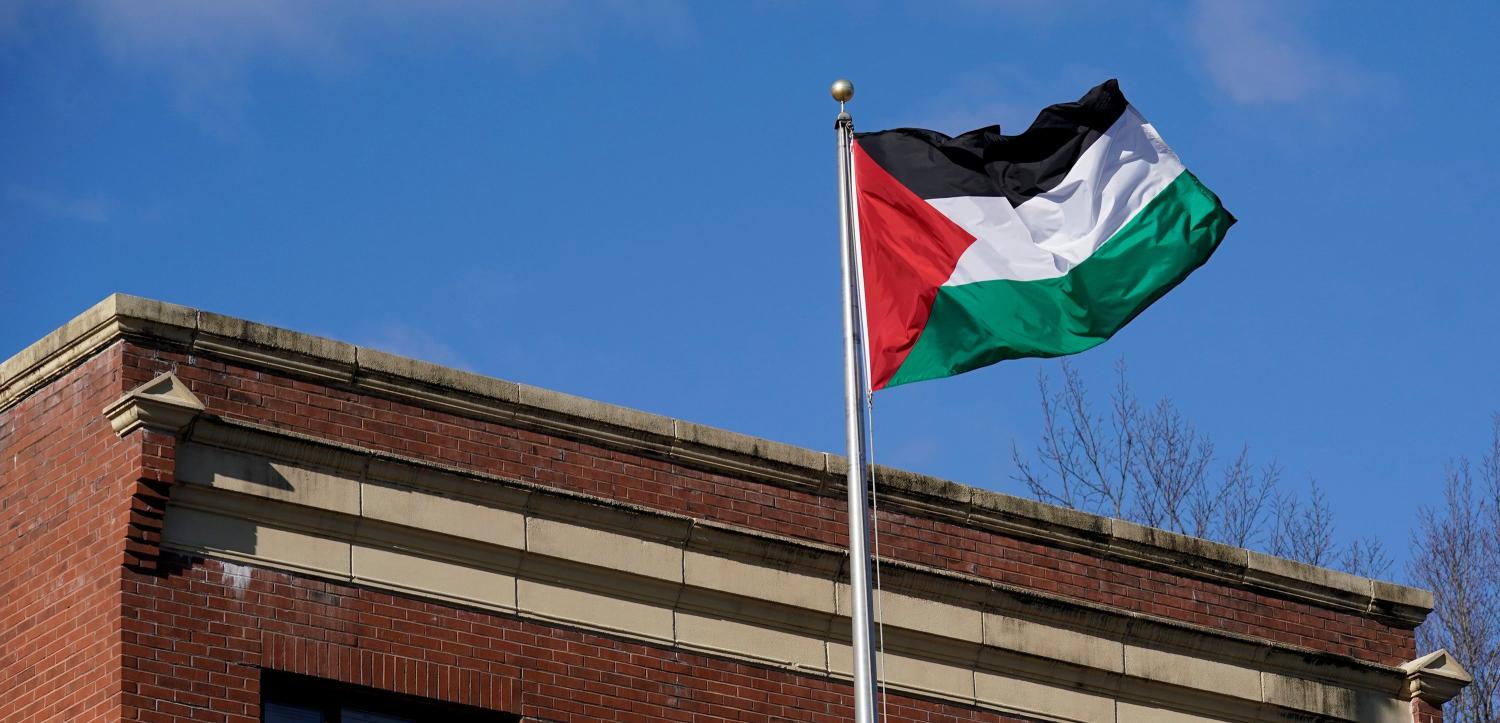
(466, 393)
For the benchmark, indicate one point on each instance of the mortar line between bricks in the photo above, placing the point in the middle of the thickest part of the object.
(546, 689)
(515, 580)
(681, 580)
(160, 325)
(364, 479)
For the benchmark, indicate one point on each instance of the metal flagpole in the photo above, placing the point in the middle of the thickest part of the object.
(856, 389)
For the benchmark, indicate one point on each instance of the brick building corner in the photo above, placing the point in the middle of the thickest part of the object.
(207, 519)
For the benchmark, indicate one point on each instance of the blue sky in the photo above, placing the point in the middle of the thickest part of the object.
(635, 202)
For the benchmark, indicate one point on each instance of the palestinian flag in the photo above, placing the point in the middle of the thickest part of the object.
(988, 247)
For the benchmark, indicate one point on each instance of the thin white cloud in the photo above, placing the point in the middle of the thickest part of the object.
(205, 50)
(397, 337)
(1010, 12)
(10, 20)
(82, 209)
(917, 452)
(239, 30)
(1003, 95)
(1259, 52)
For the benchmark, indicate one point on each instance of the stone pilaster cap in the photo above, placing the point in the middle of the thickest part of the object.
(163, 404)
(1435, 677)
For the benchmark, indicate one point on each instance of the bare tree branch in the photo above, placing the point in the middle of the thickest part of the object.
(1367, 557)
(1081, 460)
(1246, 494)
(1174, 459)
(1154, 466)
(1455, 559)
(1157, 468)
(1124, 422)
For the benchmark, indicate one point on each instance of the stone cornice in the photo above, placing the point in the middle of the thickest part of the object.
(402, 515)
(428, 385)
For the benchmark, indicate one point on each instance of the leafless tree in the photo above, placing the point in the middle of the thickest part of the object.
(1248, 492)
(1303, 531)
(1086, 459)
(1367, 557)
(1170, 482)
(1152, 465)
(1457, 557)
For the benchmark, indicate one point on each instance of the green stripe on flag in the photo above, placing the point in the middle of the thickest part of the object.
(978, 324)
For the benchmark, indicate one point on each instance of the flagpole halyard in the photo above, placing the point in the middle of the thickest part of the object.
(856, 392)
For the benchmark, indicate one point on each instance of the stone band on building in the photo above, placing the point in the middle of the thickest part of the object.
(199, 514)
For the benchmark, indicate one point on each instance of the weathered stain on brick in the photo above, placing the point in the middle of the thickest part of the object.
(352, 417)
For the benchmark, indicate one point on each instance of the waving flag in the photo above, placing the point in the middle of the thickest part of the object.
(988, 247)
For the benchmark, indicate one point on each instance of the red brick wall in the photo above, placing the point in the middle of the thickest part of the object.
(1421, 712)
(362, 419)
(198, 632)
(94, 626)
(65, 485)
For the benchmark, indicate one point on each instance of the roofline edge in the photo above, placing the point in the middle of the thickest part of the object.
(121, 316)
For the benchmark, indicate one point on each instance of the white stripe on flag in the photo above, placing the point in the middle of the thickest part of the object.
(1050, 233)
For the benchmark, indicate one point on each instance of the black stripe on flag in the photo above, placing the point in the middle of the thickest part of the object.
(985, 163)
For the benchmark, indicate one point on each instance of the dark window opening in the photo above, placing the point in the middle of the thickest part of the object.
(288, 698)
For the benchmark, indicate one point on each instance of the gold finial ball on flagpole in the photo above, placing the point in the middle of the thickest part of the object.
(842, 90)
